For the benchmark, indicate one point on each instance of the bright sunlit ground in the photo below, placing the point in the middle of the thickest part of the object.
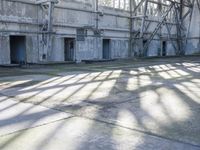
(120, 105)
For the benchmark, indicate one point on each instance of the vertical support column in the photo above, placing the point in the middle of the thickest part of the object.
(97, 13)
(50, 29)
(181, 10)
(181, 31)
(189, 24)
(131, 27)
(159, 8)
(143, 24)
(96, 9)
(143, 19)
(178, 28)
(50, 17)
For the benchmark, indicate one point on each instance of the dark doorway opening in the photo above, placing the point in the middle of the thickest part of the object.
(144, 42)
(106, 49)
(69, 49)
(164, 48)
(18, 49)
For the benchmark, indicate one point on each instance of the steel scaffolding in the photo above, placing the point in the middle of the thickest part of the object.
(166, 14)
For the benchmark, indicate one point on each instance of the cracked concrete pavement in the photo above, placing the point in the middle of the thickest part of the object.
(146, 104)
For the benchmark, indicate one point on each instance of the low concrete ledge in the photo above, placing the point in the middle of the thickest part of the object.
(10, 65)
(97, 60)
(55, 63)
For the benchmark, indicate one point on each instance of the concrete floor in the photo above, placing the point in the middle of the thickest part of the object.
(144, 104)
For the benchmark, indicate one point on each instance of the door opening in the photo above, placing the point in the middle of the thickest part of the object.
(18, 49)
(69, 49)
(106, 49)
(144, 42)
(164, 50)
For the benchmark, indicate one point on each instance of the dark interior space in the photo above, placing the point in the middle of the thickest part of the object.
(106, 49)
(145, 50)
(69, 49)
(18, 49)
(164, 46)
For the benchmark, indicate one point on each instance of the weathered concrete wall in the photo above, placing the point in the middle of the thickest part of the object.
(137, 45)
(192, 47)
(26, 18)
(19, 18)
(154, 48)
(32, 52)
(115, 28)
(57, 54)
(119, 48)
(4, 50)
(91, 48)
(193, 43)
(171, 51)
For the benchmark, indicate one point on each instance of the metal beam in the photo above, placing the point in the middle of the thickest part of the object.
(156, 29)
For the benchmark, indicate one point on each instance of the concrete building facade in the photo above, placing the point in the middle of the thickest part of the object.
(35, 31)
